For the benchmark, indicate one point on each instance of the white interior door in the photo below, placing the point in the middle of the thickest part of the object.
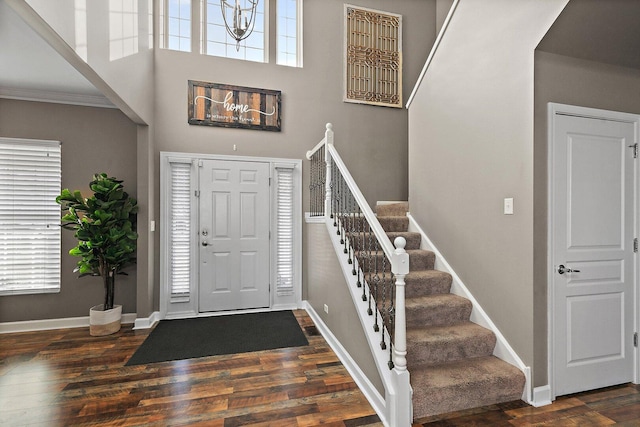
(234, 235)
(592, 216)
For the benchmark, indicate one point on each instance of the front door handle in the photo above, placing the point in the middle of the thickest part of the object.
(204, 243)
(562, 269)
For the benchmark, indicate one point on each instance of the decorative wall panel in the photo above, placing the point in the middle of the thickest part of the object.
(373, 63)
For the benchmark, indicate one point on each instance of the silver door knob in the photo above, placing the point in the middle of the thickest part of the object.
(204, 243)
(562, 269)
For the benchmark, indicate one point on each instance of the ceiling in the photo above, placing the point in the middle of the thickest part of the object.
(597, 30)
(603, 31)
(31, 68)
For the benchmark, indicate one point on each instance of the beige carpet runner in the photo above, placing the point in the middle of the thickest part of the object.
(449, 358)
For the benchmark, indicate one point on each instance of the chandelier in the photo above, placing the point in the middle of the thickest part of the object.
(242, 18)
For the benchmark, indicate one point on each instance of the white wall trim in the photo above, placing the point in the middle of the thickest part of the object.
(48, 324)
(502, 350)
(147, 322)
(370, 392)
(308, 219)
(541, 396)
(436, 44)
(86, 100)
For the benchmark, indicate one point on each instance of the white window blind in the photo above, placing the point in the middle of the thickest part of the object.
(285, 229)
(29, 216)
(180, 230)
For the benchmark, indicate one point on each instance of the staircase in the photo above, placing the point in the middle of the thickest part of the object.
(449, 358)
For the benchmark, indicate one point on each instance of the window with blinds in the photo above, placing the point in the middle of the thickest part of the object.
(285, 229)
(180, 230)
(30, 175)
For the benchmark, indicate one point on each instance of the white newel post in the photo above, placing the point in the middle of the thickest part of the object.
(328, 139)
(401, 407)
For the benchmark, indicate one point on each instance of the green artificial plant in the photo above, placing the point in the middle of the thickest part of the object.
(104, 225)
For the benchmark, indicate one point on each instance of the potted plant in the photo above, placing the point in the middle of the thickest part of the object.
(104, 225)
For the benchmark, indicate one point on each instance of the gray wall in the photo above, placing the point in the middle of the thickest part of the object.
(578, 82)
(327, 285)
(372, 140)
(471, 146)
(93, 140)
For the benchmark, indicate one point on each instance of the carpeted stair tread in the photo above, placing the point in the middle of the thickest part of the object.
(427, 282)
(394, 223)
(464, 384)
(439, 344)
(413, 239)
(392, 209)
(437, 310)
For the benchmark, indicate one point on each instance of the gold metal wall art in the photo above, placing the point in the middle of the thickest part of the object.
(373, 63)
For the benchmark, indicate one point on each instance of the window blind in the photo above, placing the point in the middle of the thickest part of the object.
(180, 229)
(285, 229)
(30, 175)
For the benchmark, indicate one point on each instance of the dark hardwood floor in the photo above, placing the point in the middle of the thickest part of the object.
(67, 378)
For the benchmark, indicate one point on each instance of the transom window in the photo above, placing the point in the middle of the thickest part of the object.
(198, 26)
(218, 42)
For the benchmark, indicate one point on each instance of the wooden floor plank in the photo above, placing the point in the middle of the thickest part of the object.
(66, 377)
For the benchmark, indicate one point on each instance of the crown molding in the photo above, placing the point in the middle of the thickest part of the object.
(37, 95)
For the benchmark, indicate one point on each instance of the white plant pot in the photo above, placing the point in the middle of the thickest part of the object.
(103, 322)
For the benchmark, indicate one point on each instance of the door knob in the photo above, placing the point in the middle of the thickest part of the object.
(562, 269)
(204, 243)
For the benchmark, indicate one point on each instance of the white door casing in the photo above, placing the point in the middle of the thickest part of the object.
(591, 234)
(234, 235)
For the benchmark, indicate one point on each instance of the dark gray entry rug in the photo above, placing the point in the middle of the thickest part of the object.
(216, 335)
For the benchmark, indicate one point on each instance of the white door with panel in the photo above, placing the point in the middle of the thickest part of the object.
(592, 242)
(234, 235)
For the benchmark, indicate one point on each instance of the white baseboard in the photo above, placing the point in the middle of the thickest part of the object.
(371, 393)
(503, 350)
(147, 322)
(541, 396)
(48, 324)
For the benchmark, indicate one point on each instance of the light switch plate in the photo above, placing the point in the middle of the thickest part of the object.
(508, 206)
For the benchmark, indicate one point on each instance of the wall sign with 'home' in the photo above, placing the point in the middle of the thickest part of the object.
(214, 104)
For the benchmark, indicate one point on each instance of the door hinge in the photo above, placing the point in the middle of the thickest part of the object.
(197, 193)
(635, 339)
(635, 150)
(635, 245)
(269, 181)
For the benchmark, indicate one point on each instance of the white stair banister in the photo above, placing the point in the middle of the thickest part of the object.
(340, 210)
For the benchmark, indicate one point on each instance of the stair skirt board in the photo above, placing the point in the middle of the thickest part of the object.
(502, 349)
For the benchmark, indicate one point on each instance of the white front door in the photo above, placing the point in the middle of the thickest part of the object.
(234, 235)
(592, 239)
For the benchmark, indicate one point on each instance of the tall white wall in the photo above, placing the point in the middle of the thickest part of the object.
(471, 146)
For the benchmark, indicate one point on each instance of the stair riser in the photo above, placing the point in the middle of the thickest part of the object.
(438, 400)
(394, 223)
(436, 352)
(392, 209)
(415, 287)
(438, 316)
